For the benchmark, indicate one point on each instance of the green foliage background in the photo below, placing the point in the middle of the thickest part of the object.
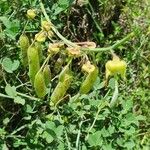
(27, 123)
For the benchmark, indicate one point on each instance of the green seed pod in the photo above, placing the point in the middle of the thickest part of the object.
(63, 73)
(31, 13)
(116, 66)
(24, 44)
(60, 89)
(39, 85)
(33, 61)
(38, 46)
(89, 81)
(58, 65)
(47, 75)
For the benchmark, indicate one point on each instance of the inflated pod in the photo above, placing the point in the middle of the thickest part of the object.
(38, 46)
(31, 13)
(116, 66)
(24, 44)
(39, 85)
(33, 61)
(89, 81)
(47, 75)
(60, 89)
(58, 65)
(64, 71)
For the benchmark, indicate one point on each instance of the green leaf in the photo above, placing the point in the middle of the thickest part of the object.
(10, 66)
(11, 90)
(50, 125)
(115, 95)
(61, 146)
(4, 147)
(48, 137)
(107, 147)
(127, 105)
(104, 132)
(63, 3)
(15, 65)
(7, 64)
(98, 85)
(29, 109)
(19, 100)
(27, 117)
(59, 130)
(111, 83)
(5, 21)
(12, 27)
(6, 121)
(95, 139)
(129, 145)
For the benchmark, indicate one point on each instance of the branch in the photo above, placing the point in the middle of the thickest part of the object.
(114, 46)
(67, 42)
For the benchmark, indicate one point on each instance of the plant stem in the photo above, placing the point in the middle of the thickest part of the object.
(20, 94)
(114, 46)
(27, 96)
(100, 106)
(19, 129)
(53, 27)
(67, 139)
(78, 136)
(115, 95)
(67, 42)
(5, 96)
(45, 62)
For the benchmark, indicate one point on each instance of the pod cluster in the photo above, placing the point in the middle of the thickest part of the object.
(41, 71)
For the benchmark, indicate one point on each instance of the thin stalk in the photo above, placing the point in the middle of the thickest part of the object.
(27, 96)
(67, 139)
(115, 95)
(5, 96)
(45, 62)
(53, 27)
(96, 116)
(20, 94)
(67, 42)
(110, 48)
(19, 129)
(92, 15)
(78, 136)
